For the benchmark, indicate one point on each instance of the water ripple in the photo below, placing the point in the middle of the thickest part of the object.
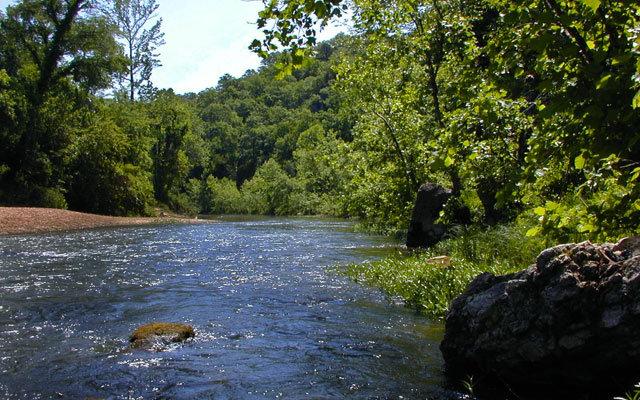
(270, 321)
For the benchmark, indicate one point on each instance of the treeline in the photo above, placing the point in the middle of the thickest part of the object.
(64, 144)
(84, 128)
(273, 140)
(528, 111)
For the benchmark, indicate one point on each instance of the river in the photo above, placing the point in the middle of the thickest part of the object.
(272, 318)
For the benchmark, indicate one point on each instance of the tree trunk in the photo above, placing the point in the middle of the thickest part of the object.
(131, 77)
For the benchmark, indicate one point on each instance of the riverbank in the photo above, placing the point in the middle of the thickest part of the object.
(428, 280)
(23, 220)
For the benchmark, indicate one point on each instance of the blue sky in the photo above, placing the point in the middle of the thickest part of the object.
(204, 40)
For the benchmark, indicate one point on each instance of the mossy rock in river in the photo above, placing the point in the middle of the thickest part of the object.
(160, 333)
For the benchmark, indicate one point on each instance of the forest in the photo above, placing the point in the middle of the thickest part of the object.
(528, 111)
(525, 113)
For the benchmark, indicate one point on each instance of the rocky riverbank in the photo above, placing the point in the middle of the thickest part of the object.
(568, 323)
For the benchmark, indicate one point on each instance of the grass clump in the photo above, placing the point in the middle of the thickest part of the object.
(633, 395)
(428, 284)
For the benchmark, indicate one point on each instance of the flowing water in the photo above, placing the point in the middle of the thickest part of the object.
(272, 320)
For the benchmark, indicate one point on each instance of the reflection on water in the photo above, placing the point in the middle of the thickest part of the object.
(270, 321)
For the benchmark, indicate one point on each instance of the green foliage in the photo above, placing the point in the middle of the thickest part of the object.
(134, 154)
(12, 109)
(508, 244)
(103, 154)
(51, 198)
(605, 207)
(527, 110)
(55, 54)
(134, 120)
(298, 21)
(254, 118)
(320, 164)
(428, 286)
(272, 191)
(258, 129)
(221, 196)
(176, 129)
(102, 181)
(525, 104)
(183, 203)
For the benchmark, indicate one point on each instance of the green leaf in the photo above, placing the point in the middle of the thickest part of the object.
(579, 162)
(255, 44)
(283, 70)
(621, 59)
(320, 9)
(636, 100)
(603, 82)
(534, 231)
(448, 161)
(592, 4)
(540, 211)
(582, 228)
(551, 205)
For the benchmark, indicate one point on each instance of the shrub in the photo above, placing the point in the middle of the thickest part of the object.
(221, 196)
(272, 191)
(35, 196)
(102, 182)
(182, 203)
(51, 198)
(605, 207)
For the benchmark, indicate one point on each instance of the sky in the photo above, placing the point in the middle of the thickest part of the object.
(206, 39)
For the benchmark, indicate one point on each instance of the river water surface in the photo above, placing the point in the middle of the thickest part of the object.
(272, 320)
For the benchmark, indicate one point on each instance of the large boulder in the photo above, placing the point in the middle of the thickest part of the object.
(570, 322)
(423, 230)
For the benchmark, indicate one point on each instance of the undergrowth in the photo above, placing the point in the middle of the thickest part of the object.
(428, 286)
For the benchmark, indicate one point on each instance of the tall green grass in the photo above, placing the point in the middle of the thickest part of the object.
(429, 287)
(632, 395)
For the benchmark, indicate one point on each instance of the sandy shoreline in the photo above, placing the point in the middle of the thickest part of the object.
(23, 220)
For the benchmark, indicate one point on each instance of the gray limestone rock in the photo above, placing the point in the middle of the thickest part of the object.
(570, 320)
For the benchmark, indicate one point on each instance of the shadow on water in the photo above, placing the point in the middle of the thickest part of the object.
(270, 321)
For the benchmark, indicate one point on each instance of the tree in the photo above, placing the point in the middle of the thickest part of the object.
(294, 23)
(176, 128)
(58, 53)
(131, 17)
(105, 179)
(582, 173)
(527, 104)
(272, 191)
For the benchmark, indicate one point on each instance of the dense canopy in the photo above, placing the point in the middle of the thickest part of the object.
(528, 111)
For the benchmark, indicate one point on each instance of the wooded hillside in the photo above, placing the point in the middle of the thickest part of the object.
(528, 111)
